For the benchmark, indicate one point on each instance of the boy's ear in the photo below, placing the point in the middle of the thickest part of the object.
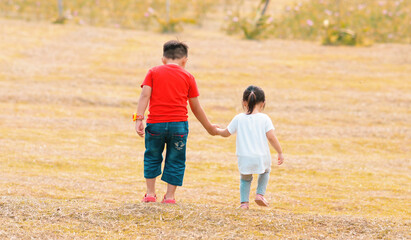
(164, 60)
(184, 61)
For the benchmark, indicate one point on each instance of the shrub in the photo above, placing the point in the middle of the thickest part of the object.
(338, 36)
(112, 13)
(252, 25)
(350, 22)
(168, 24)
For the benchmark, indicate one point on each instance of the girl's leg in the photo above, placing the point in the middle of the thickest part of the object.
(262, 186)
(245, 184)
(262, 183)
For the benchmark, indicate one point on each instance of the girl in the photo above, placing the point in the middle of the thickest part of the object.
(253, 128)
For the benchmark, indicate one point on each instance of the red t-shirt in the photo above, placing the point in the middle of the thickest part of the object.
(171, 87)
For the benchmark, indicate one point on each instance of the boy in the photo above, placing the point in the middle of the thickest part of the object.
(167, 88)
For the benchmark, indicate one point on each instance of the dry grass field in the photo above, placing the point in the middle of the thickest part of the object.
(71, 165)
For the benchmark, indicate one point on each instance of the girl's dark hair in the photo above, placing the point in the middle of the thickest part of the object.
(253, 95)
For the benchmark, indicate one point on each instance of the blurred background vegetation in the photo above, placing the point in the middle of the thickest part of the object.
(334, 22)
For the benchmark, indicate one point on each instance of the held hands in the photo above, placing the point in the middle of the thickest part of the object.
(223, 132)
(280, 158)
(213, 130)
(140, 128)
(220, 131)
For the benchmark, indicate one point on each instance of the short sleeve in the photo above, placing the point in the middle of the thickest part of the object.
(193, 90)
(233, 126)
(268, 124)
(148, 80)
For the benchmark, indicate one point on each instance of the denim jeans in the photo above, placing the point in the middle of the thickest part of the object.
(173, 136)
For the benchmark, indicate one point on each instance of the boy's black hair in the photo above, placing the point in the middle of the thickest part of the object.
(253, 95)
(175, 50)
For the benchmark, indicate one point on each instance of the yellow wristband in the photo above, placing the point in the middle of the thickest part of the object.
(137, 117)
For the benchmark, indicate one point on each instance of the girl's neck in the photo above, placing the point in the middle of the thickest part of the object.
(257, 108)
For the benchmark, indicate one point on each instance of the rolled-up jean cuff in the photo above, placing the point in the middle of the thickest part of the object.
(172, 180)
(151, 176)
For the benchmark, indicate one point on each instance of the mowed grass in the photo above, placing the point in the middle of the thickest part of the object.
(72, 165)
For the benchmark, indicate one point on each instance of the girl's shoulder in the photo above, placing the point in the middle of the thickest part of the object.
(240, 115)
(261, 115)
(264, 117)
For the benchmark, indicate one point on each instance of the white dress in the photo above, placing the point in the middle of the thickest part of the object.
(253, 152)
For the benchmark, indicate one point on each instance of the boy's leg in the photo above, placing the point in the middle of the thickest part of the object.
(154, 143)
(175, 161)
(262, 183)
(245, 185)
(171, 190)
(151, 186)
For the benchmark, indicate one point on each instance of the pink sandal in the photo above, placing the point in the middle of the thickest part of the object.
(244, 206)
(260, 200)
(168, 201)
(149, 198)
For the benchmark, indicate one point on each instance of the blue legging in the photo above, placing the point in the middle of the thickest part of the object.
(245, 184)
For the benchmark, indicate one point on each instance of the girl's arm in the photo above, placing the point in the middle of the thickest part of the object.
(223, 132)
(274, 142)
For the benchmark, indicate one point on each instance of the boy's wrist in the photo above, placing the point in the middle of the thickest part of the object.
(137, 117)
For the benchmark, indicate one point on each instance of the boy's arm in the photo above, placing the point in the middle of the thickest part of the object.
(141, 108)
(201, 116)
(276, 144)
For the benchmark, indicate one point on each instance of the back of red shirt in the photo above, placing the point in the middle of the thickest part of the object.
(171, 87)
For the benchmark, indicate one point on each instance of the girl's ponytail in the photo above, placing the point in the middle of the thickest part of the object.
(253, 95)
(252, 101)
